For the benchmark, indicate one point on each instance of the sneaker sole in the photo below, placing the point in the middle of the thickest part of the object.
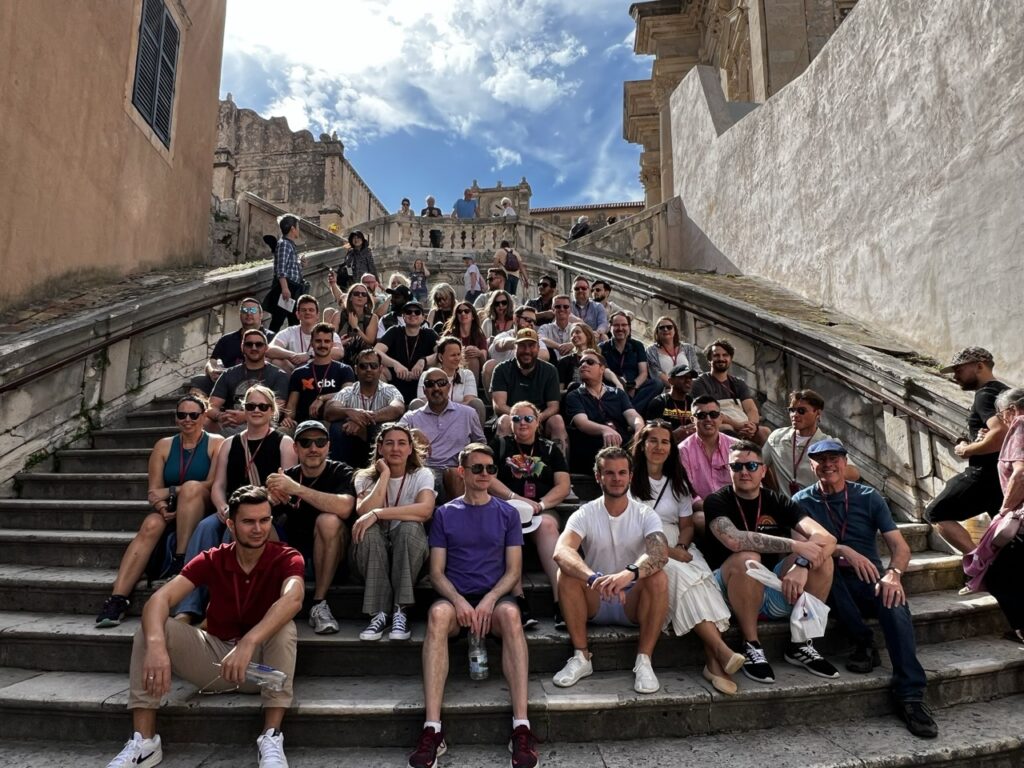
(399, 636)
(108, 623)
(325, 630)
(766, 680)
(370, 638)
(798, 663)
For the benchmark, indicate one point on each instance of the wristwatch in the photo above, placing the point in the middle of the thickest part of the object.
(593, 577)
(634, 569)
(802, 561)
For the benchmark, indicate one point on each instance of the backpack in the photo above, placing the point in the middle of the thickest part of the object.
(511, 260)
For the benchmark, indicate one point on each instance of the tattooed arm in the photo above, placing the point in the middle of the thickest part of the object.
(654, 559)
(736, 540)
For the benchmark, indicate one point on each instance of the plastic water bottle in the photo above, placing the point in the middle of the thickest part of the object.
(268, 677)
(477, 657)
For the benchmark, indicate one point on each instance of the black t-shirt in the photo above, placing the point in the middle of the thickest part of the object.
(300, 519)
(235, 382)
(983, 409)
(266, 458)
(228, 348)
(311, 381)
(528, 472)
(408, 350)
(675, 412)
(779, 515)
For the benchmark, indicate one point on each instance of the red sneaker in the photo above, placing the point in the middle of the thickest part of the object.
(429, 747)
(523, 746)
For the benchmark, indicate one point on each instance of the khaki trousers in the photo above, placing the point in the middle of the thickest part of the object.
(193, 654)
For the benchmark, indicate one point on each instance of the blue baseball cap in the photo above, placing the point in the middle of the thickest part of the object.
(831, 445)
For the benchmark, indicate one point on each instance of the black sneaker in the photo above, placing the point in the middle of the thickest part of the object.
(756, 667)
(863, 659)
(807, 656)
(429, 747)
(559, 621)
(524, 613)
(113, 611)
(918, 718)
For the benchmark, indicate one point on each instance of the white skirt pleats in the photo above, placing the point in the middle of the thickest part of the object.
(693, 593)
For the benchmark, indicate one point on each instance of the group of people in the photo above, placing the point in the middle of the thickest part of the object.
(377, 458)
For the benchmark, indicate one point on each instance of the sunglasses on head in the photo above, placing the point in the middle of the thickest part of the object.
(527, 419)
(309, 442)
(368, 366)
(666, 328)
(413, 311)
(182, 415)
(434, 383)
(253, 344)
(262, 407)
(250, 310)
(750, 466)
(477, 469)
(701, 415)
(799, 409)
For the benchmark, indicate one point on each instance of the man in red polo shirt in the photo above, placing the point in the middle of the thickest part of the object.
(256, 588)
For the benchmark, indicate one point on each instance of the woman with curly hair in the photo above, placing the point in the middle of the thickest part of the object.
(464, 325)
(497, 314)
(442, 305)
(357, 324)
(582, 337)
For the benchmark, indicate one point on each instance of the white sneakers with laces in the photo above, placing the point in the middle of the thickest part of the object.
(271, 749)
(578, 667)
(322, 620)
(646, 681)
(399, 626)
(139, 753)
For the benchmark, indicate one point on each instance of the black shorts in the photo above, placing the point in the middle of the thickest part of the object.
(969, 494)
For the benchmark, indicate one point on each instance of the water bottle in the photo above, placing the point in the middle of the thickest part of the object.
(270, 678)
(477, 657)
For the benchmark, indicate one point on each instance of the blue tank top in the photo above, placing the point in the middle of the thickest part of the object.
(198, 467)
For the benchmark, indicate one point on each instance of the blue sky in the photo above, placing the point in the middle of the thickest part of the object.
(429, 96)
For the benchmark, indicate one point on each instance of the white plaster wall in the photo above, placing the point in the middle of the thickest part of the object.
(887, 181)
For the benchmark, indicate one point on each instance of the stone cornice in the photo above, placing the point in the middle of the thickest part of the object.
(639, 112)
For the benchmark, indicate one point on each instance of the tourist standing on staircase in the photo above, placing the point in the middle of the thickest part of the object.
(226, 402)
(975, 490)
(740, 416)
(508, 258)
(180, 477)
(433, 212)
(256, 587)
(359, 259)
(288, 282)
(855, 515)
(466, 208)
(622, 580)
(418, 276)
(476, 559)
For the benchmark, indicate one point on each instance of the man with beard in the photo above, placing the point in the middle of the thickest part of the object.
(976, 489)
(674, 406)
(405, 349)
(229, 391)
(547, 287)
(292, 347)
(313, 384)
(740, 416)
(227, 352)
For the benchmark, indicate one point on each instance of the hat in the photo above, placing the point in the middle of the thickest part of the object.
(968, 355)
(468, 257)
(530, 521)
(411, 304)
(682, 370)
(310, 425)
(401, 290)
(830, 445)
(526, 334)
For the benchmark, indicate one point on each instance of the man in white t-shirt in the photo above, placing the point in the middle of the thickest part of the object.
(622, 580)
(293, 346)
(472, 280)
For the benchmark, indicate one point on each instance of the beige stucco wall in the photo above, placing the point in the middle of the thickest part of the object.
(886, 181)
(84, 185)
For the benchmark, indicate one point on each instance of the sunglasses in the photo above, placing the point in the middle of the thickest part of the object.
(182, 415)
(501, 303)
(666, 328)
(798, 409)
(253, 344)
(479, 469)
(546, 285)
(250, 310)
(560, 306)
(750, 466)
(464, 311)
(261, 407)
(701, 415)
(413, 311)
(368, 366)
(528, 320)
(526, 419)
(359, 294)
(581, 288)
(435, 383)
(309, 442)
(589, 361)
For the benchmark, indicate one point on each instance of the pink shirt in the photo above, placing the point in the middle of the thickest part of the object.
(1012, 450)
(706, 475)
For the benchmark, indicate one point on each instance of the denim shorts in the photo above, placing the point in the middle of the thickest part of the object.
(773, 605)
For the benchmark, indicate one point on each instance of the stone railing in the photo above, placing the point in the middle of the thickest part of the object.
(650, 238)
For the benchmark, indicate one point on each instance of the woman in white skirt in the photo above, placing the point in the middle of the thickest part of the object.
(694, 599)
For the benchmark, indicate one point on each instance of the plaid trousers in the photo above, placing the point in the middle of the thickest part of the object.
(389, 562)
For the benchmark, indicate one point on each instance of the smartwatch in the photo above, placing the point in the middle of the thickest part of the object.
(594, 577)
(634, 569)
(802, 561)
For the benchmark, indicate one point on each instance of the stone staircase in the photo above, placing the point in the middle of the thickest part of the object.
(64, 682)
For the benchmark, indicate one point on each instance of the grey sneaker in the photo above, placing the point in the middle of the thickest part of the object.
(322, 620)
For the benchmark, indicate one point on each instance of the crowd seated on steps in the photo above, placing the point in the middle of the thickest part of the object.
(375, 452)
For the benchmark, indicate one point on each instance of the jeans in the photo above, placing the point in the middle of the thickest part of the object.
(852, 600)
(210, 532)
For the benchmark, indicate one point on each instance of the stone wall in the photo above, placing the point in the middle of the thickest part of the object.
(884, 182)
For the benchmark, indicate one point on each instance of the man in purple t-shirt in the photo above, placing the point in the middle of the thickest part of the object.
(476, 558)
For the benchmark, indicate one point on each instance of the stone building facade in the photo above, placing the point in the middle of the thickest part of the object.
(598, 213)
(108, 120)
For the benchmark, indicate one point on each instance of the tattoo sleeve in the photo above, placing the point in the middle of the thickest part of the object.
(654, 559)
(736, 540)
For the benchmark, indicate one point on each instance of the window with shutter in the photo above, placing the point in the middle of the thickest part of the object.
(155, 68)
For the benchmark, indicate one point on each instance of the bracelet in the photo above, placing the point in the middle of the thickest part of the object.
(897, 571)
(541, 505)
(511, 495)
(594, 577)
(374, 513)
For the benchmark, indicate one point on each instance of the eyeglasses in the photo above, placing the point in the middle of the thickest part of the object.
(501, 303)
(309, 442)
(434, 383)
(589, 361)
(560, 306)
(413, 311)
(478, 469)
(525, 419)
(182, 415)
(250, 310)
(254, 344)
(666, 328)
(261, 407)
(799, 410)
(368, 366)
(750, 466)
(701, 415)
(463, 311)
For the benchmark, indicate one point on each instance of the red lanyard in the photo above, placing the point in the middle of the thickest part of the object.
(318, 380)
(831, 514)
(673, 355)
(398, 496)
(182, 464)
(743, 515)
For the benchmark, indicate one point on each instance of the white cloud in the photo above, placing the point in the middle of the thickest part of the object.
(504, 157)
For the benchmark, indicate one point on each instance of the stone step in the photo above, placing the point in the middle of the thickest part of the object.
(75, 549)
(83, 485)
(931, 571)
(130, 437)
(72, 514)
(164, 403)
(329, 711)
(877, 741)
(104, 459)
(151, 417)
(70, 642)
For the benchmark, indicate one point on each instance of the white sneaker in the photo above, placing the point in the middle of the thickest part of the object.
(399, 626)
(375, 629)
(646, 680)
(575, 669)
(271, 749)
(322, 620)
(139, 753)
